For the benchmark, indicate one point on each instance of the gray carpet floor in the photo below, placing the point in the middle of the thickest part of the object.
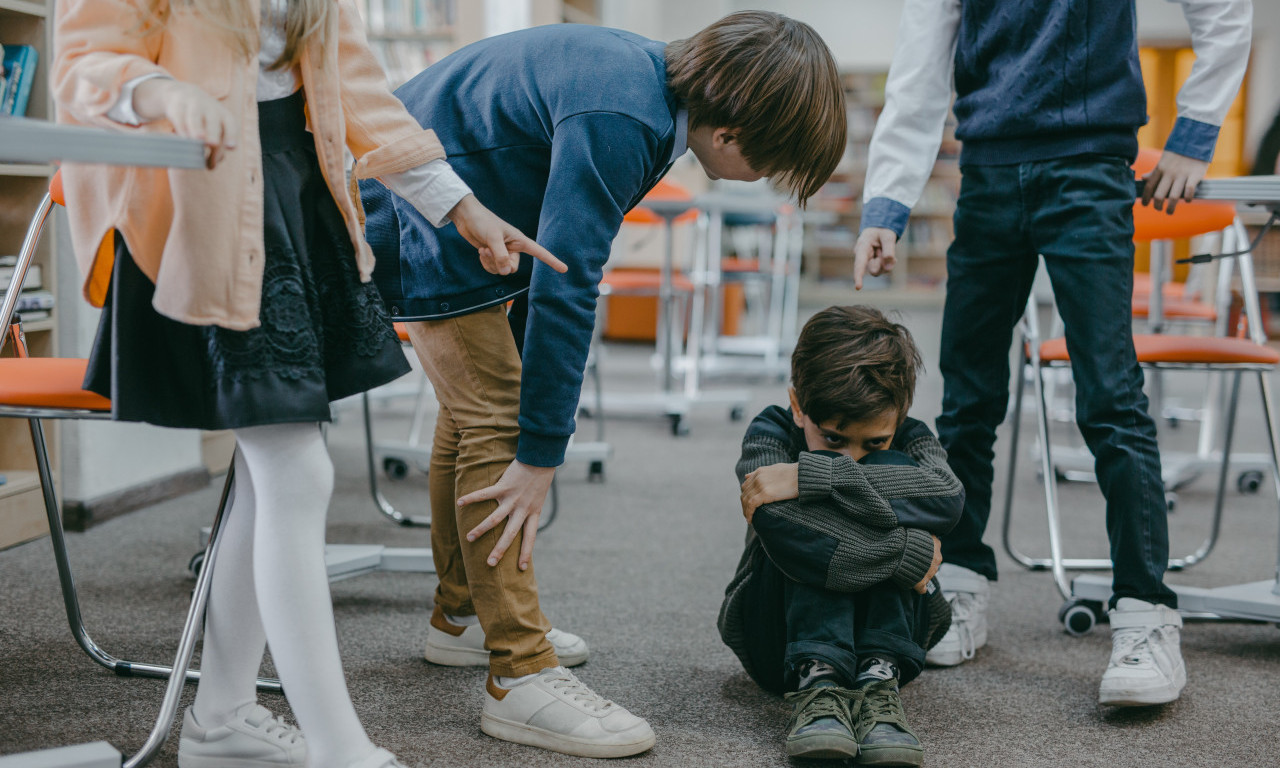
(637, 565)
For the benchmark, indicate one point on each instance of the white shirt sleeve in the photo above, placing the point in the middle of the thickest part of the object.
(908, 133)
(122, 111)
(1221, 31)
(434, 189)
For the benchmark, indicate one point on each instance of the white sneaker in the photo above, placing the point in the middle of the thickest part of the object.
(968, 593)
(453, 646)
(1146, 659)
(254, 738)
(555, 710)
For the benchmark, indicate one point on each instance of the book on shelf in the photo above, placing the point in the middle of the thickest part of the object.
(34, 301)
(19, 72)
(33, 281)
(31, 316)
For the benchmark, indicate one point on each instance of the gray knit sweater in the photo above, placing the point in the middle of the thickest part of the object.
(854, 524)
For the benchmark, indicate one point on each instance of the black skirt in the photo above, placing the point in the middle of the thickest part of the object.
(324, 335)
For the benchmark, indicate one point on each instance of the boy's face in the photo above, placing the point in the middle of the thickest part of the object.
(720, 154)
(854, 439)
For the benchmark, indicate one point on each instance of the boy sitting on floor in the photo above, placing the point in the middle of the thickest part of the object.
(834, 602)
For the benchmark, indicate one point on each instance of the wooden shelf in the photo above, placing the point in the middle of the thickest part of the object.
(28, 7)
(36, 170)
(18, 481)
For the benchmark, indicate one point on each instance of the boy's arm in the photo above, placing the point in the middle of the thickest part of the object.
(599, 163)
(1220, 37)
(908, 132)
(911, 482)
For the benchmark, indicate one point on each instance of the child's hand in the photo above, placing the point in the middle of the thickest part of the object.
(776, 482)
(498, 242)
(933, 569)
(519, 493)
(873, 253)
(1174, 178)
(191, 111)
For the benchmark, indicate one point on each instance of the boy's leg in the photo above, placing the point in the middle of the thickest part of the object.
(1084, 217)
(474, 367)
(990, 267)
(799, 643)
(891, 628)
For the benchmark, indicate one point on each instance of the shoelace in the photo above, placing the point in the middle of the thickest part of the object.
(961, 615)
(579, 692)
(277, 729)
(823, 701)
(1132, 647)
(878, 706)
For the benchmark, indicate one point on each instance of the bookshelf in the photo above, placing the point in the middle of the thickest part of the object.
(920, 275)
(27, 22)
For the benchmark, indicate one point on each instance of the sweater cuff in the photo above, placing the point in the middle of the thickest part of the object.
(886, 213)
(1193, 139)
(541, 450)
(814, 476)
(917, 559)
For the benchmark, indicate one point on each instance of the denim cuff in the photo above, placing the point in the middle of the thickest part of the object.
(1193, 139)
(886, 213)
(844, 661)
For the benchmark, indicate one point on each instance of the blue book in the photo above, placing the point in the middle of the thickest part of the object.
(19, 72)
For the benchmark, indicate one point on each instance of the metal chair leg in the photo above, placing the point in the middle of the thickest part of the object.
(70, 596)
(384, 506)
(186, 643)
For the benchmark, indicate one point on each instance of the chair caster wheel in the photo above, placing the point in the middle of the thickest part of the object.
(595, 472)
(1171, 501)
(679, 427)
(736, 413)
(1078, 617)
(196, 563)
(396, 469)
(1249, 482)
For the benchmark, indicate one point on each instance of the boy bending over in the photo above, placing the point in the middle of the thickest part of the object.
(834, 602)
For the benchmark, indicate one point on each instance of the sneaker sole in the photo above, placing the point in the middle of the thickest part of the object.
(1145, 698)
(520, 733)
(452, 656)
(822, 746)
(902, 756)
(203, 761)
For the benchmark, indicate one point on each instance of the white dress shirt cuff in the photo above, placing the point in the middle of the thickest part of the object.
(434, 189)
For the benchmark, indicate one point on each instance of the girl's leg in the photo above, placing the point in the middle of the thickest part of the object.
(292, 477)
(233, 635)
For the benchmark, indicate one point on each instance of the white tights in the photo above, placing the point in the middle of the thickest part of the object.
(270, 585)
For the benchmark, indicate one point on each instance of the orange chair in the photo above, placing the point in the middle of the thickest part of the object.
(1210, 354)
(37, 389)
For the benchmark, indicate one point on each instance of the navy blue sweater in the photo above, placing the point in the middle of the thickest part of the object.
(1047, 78)
(560, 130)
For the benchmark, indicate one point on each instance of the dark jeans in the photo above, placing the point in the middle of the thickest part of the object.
(788, 622)
(1077, 213)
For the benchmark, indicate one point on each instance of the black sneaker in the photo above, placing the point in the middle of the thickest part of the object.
(881, 727)
(822, 722)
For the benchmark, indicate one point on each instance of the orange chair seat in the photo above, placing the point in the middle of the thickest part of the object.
(1142, 286)
(640, 281)
(1166, 348)
(402, 332)
(663, 190)
(739, 265)
(47, 382)
(1176, 309)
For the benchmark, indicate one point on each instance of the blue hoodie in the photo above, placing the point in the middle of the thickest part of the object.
(559, 130)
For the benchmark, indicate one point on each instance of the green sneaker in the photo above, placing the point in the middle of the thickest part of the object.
(881, 727)
(822, 722)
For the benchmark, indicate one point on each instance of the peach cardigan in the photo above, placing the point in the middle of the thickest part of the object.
(198, 234)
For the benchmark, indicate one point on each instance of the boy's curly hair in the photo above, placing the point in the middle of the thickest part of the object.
(853, 363)
(773, 81)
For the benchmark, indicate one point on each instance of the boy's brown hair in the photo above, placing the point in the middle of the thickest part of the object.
(773, 81)
(853, 363)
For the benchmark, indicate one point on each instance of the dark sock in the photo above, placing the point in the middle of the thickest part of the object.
(880, 667)
(814, 671)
